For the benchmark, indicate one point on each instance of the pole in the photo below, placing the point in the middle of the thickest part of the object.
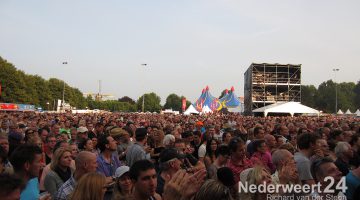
(63, 95)
(143, 103)
(336, 98)
(143, 99)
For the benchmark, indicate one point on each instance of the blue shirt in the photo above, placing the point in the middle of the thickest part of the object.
(108, 169)
(31, 191)
(352, 182)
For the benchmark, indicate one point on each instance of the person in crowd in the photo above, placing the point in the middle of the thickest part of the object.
(226, 177)
(337, 136)
(74, 151)
(86, 145)
(169, 141)
(98, 131)
(254, 176)
(123, 186)
(3, 159)
(270, 143)
(261, 156)
(11, 187)
(238, 161)
(55, 129)
(222, 156)
(321, 170)
(211, 147)
(355, 145)
(108, 162)
(196, 143)
(352, 182)
(144, 179)
(307, 148)
(82, 133)
(91, 186)
(47, 168)
(282, 158)
(26, 162)
(170, 162)
(259, 134)
(344, 154)
(226, 137)
(138, 151)
(85, 163)
(73, 135)
(4, 143)
(49, 147)
(213, 189)
(60, 171)
(123, 140)
(158, 137)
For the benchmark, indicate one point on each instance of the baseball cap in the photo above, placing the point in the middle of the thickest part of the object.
(169, 154)
(82, 129)
(121, 171)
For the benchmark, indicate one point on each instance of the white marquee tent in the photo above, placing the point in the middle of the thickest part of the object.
(340, 112)
(191, 110)
(357, 112)
(206, 109)
(287, 107)
(348, 112)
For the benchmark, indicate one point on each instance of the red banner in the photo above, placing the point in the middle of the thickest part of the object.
(183, 104)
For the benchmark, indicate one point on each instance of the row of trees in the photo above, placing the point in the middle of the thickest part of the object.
(324, 97)
(19, 87)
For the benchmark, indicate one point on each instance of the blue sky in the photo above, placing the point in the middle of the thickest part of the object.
(187, 44)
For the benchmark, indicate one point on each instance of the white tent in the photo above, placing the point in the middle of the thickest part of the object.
(348, 112)
(191, 110)
(206, 109)
(287, 107)
(340, 112)
(357, 112)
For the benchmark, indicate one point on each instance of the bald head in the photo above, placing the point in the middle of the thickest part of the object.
(281, 156)
(86, 161)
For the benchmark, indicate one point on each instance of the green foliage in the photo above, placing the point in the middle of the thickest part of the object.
(127, 99)
(174, 102)
(357, 95)
(151, 104)
(309, 95)
(323, 98)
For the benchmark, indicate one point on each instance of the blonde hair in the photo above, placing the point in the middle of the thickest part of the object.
(213, 189)
(89, 187)
(253, 178)
(57, 156)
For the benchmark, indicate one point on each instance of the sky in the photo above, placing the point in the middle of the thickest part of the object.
(186, 44)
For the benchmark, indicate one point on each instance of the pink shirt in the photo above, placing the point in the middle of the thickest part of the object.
(237, 168)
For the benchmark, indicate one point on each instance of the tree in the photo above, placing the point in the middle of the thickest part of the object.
(151, 104)
(174, 102)
(127, 99)
(309, 95)
(357, 95)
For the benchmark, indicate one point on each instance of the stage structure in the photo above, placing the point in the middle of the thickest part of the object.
(266, 84)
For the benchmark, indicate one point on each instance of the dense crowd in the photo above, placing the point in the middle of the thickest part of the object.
(172, 157)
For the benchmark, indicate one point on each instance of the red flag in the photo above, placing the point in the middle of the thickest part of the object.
(183, 104)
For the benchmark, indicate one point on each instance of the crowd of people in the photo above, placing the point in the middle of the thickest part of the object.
(171, 157)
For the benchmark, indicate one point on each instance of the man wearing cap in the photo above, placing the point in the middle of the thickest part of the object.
(138, 151)
(82, 133)
(170, 163)
(122, 138)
